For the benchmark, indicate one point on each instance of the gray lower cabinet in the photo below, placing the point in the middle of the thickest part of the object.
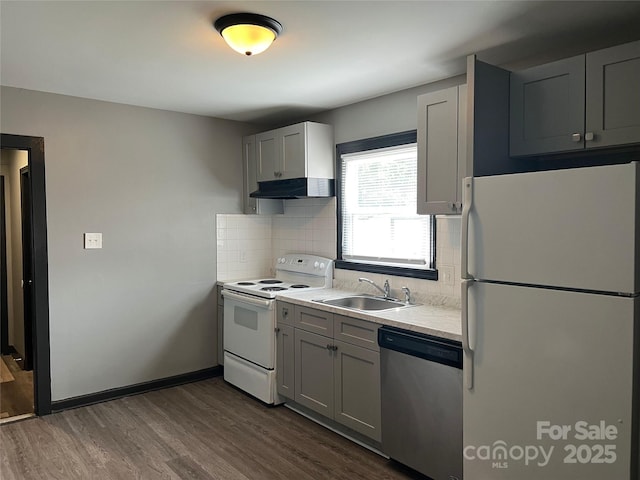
(336, 371)
(583, 102)
(357, 389)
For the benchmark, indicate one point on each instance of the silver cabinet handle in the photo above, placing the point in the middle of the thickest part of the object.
(329, 346)
(576, 137)
(277, 329)
(589, 136)
(285, 312)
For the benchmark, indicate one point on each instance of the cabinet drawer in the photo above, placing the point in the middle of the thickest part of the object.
(315, 321)
(356, 331)
(285, 312)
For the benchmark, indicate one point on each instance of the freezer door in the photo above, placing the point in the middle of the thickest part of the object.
(552, 391)
(575, 228)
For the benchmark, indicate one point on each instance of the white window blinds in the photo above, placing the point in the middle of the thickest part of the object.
(379, 223)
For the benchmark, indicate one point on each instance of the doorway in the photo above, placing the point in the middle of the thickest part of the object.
(35, 356)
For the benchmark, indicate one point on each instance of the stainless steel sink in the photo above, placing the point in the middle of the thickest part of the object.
(364, 302)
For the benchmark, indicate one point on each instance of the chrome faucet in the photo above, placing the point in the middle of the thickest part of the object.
(386, 291)
(407, 295)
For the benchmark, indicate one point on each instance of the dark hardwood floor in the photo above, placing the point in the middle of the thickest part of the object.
(16, 396)
(199, 431)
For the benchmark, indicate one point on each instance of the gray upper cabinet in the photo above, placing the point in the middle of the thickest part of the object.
(547, 108)
(582, 102)
(296, 151)
(463, 131)
(442, 124)
(249, 170)
(613, 96)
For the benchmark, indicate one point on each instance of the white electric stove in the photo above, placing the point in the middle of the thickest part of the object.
(250, 321)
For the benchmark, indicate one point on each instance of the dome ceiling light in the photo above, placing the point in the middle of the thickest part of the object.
(248, 33)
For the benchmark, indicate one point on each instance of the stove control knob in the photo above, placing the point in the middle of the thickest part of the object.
(322, 266)
(316, 264)
(281, 260)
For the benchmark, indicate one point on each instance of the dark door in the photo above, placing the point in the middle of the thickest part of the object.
(27, 266)
(4, 313)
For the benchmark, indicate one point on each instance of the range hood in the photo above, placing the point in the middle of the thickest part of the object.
(295, 188)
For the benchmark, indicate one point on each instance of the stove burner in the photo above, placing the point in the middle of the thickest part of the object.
(299, 285)
(245, 283)
(270, 281)
(273, 289)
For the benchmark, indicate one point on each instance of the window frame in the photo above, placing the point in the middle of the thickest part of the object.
(373, 143)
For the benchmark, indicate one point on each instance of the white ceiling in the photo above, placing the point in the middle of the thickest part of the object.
(166, 54)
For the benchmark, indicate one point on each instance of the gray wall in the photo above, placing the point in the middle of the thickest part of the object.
(396, 112)
(151, 181)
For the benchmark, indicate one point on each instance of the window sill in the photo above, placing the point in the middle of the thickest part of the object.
(387, 270)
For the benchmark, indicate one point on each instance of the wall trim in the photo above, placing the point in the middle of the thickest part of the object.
(114, 393)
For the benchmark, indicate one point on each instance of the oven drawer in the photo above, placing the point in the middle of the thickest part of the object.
(314, 321)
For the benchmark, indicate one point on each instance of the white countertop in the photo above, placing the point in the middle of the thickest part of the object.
(432, 320)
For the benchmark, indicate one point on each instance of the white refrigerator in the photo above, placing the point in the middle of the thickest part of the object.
(551, 325)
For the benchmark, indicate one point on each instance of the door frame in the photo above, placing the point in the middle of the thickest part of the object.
(40, 295)
(4, 293)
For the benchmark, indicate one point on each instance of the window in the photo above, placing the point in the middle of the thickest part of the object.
(378, 227)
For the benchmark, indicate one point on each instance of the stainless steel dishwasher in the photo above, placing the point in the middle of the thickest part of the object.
(421, 387)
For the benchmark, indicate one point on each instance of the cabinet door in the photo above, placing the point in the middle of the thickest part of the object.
(293, 155)
(438, 152)
(357, 389)
(613, 96)
(250, 170)
(285, 367)
(314, 372)
(267, 156)
(547, 108)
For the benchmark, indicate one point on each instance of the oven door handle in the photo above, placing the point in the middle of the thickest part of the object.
(255, 301)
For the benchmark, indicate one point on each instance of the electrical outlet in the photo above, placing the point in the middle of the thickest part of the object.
(92, 240)
(447, 275)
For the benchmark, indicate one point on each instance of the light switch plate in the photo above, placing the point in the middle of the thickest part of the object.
(92, 240)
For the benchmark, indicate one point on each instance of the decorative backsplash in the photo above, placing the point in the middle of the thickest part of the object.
(248, 244)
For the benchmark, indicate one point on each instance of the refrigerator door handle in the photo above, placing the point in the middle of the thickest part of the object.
(468, 334)
(467, 198)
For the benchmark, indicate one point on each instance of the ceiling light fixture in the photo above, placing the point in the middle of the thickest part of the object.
(248, 33)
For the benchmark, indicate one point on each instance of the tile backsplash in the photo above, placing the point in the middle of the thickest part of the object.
(248, 244)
